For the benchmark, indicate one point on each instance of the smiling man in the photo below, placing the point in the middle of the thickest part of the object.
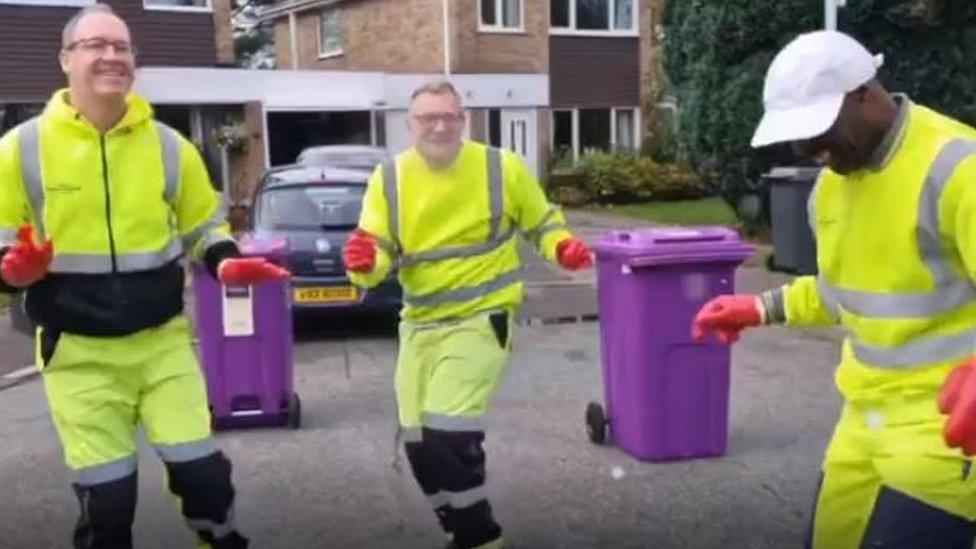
(894, 213)
(448, 212)
(98, 203)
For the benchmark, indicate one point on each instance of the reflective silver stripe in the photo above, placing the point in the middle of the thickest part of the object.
(102, 263)
(464, 294)
(496, 190)
(458, 252)
(467, 498)
(106, 472)
(217, 219)
(8, 237)
(387, 246)
(533, 234)
(464, 424)
(170, 141)
(391, 192)
(30, 167)
(828, 299)
(217, 529)
(900, 305)
(187, 451)
(411, 434)
(438, 500)
(929, 240)
(548, 229)
(926, 350)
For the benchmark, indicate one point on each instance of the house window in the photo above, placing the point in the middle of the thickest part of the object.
(500, 15)
(177, 5)
(495, 127)
(587, 16)
(330, 33)
(588, 131)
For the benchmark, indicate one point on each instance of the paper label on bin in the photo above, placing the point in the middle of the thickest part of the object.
(238, 311)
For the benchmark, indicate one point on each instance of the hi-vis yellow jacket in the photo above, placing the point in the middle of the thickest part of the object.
(896, 250)
(453, 233)
(121, 209)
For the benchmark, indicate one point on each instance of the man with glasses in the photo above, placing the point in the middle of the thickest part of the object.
(115, 199)
(447, 213)
(894, 213)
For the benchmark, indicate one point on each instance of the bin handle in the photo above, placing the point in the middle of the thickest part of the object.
(685, 258)
(689, 237)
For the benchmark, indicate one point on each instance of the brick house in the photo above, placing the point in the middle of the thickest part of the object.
(538, 76)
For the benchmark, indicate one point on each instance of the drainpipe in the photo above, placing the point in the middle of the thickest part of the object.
(830, 13)
(293, 31)
(447, 36)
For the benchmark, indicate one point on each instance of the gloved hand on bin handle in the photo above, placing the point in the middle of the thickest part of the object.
(25, 262)
(727, 316)
(245, 271)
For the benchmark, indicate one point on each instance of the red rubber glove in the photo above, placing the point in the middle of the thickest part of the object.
(360, 252)
(25, 263)
(245, 271)
(958, 401)
(573, 254)
(727, 316)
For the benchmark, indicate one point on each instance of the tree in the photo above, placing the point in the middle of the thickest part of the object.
(253, 40)
(717, 52)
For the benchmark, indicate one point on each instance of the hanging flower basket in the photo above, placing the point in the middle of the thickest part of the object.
(232, 136)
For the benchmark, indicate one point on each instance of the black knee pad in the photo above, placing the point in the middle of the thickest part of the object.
(899, 520)
(107, 512)
(459, 458)
(204, 486)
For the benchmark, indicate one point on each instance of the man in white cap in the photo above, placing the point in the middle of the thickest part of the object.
(894, 213)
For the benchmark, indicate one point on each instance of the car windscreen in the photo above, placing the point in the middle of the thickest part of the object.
(331, 206)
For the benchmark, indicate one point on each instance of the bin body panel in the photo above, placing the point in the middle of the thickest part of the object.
(794, 245)
(249, 369)
(667, 397)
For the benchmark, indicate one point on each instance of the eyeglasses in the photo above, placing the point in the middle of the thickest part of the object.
(431, 120)
(99, 46)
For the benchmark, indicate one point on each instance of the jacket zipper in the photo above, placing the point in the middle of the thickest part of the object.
(108, 205)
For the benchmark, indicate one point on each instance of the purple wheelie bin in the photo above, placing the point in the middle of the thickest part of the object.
(246, 346)
(666, 396)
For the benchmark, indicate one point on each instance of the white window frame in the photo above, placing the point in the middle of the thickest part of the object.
(50, 3)
(571, 30)
(576, 128)
(499, 27)
(148, 6)
(342, 46)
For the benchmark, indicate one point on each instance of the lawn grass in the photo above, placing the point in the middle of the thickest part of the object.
(706, 211)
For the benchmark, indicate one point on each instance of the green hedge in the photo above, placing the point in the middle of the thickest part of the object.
(624, 177)
(717, 53)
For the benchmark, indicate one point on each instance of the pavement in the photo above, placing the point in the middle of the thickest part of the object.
(332, 483)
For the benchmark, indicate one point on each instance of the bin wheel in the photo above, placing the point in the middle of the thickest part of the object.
(596, 423)
(294, 412)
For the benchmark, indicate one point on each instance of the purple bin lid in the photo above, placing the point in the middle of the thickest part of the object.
(665, 246)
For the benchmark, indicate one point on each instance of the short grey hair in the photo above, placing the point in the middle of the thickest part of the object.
(441, 87)
(68, 34)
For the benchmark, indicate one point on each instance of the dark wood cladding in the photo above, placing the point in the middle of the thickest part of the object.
(31, 35)
(594, 71)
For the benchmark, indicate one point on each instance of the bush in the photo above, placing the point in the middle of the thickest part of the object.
(628, 177)
(716, 53)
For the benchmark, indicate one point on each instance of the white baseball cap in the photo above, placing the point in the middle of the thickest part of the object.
(806, 84)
